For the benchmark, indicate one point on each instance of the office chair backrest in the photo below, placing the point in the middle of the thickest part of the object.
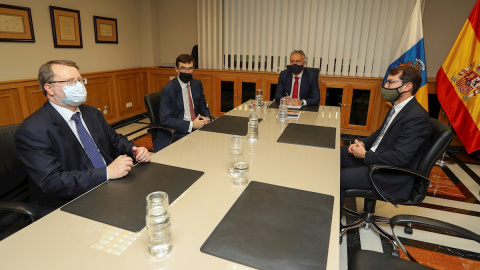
(316, 71)
(435, 146)
(13, 174)
(152, 103)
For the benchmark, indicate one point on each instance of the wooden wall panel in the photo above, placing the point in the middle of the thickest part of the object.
(128, 86)
(100, 95)
(159, 81)
(10, 109)
(35, 97)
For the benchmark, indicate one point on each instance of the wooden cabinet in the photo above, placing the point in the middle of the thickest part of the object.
(235, 91)
(358, 103)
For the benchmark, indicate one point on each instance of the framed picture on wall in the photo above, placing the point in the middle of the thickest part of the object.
(16, 24)
(105, 30)
(66, 27)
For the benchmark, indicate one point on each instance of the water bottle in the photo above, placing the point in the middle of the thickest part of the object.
(259, 98)
(253, 127)
(158, 224)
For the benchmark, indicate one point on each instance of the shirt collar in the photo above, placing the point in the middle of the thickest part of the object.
(182, 84)
(64, 112)
(402, 104)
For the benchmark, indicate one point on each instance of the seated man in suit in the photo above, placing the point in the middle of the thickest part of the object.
(68, 147)
(298, 84)
(183, 106)
(398, 142)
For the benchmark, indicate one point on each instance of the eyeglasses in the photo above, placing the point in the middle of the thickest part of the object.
(389, 82)
(72, 81)
(184, 69)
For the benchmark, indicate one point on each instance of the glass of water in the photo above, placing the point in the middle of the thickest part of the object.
(240, 174)
(259, 98)
(283, 110)
(158, 224)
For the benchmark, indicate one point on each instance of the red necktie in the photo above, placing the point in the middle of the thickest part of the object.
(192, 111)
(295, 88)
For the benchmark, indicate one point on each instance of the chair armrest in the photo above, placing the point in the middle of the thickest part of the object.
(435, 223)
(171, 130)
(376, 167)
(23, 208)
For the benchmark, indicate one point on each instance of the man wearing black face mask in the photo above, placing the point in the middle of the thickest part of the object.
(398, 142)
(183, 106)
(298, 84)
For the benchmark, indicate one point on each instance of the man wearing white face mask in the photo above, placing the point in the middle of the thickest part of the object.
(68, 147)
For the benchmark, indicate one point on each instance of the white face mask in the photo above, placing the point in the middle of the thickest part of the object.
(75, 94)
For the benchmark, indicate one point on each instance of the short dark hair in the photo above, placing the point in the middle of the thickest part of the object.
(184, 58)
(409, 74)
(45, 73)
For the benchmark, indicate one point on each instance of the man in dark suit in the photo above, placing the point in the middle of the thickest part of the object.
(67, 147)
(398, 142)
(183, 106)
(298, 84)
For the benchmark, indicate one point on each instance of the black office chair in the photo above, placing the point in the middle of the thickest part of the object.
(371, 260)
(152, 103)
(15, 212)
(437, 144)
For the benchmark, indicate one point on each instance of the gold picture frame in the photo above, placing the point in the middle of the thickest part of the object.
(66, 27)
(16, 24)
(105, 30)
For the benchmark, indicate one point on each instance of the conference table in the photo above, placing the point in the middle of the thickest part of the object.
(62, 240)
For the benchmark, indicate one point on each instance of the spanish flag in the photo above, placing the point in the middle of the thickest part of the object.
(411, 51)
(458, 83)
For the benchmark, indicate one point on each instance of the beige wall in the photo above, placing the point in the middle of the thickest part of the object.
(154, 32)
(178, 28)
(22, 60)
(442, 22)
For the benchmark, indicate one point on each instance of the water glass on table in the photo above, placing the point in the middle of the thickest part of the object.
(253, 127)
(283, 110)
(235, 153)
(240, 174)
(158, 224)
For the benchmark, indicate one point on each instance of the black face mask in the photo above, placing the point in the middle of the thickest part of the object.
(185, 77)
(295, 68)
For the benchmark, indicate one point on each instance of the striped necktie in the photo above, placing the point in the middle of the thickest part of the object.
(88, 143)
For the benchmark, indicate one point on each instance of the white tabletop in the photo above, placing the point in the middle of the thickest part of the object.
(65, 241)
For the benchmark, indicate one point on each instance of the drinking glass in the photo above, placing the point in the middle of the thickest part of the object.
(158, 224)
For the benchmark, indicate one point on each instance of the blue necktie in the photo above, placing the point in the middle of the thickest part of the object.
(88, 143)
(384, 129)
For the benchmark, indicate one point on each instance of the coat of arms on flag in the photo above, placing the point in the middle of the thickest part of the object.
(467, 81)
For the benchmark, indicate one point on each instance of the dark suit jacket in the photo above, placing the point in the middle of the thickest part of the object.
(401, 146)
(56, 162)
(172, 110)
(309, 90)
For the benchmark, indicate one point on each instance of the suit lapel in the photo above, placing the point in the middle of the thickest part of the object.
(401, 114)
(179, 96)
(289, 83)
(303, 85)
(67, 135)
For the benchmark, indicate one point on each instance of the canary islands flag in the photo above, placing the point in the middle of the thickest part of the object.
(458, 83)
(411, 51)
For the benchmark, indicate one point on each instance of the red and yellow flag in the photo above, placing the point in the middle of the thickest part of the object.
(458, 83)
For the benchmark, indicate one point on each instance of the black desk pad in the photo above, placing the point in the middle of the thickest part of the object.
(235, 125)
(122, 203)
(308, 135)
(274, 227)
(275, 105)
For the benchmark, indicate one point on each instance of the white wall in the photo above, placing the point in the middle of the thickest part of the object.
(442, 22)
(20, 60)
